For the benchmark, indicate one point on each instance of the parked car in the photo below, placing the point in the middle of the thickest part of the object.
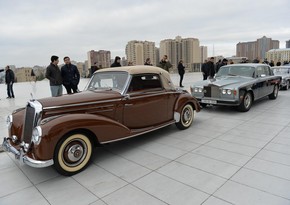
(238, 85)
(284, 72)
(117, 103)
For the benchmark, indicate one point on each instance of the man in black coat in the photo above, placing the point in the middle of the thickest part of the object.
(117, 62)
(9, 80)
(210, 67)
(204, 70)
(70, 76)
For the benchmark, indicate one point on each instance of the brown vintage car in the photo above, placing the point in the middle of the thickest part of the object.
(117, 103)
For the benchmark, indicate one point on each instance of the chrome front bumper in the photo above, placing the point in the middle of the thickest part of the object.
(23, 158)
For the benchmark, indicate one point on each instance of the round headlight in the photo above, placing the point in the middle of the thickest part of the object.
(195, 90)
(9, 121)
(224, 92)
(229, 92)
(36, 135)
(200, 90)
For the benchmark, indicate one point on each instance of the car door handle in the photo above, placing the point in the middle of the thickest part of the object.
(127, 105)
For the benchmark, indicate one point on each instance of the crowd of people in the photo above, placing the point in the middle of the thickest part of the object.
(69, 76)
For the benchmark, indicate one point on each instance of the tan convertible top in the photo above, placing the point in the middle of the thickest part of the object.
(141, 69)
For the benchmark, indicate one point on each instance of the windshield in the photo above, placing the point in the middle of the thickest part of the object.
(281, 70)
(108, 80)
(246, 71)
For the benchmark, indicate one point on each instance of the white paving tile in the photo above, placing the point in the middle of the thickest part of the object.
(170, 191)
(273, 156)
(61, 190)
(243, 140)
(239, 194)
(12, 180)
(233, 147)
(6, 161)
(28, 196)
(142, 157)
(123, 168)
(131, 195)
(213, 166)
(270, 168)
(99, 181)
(215, 201)
(222, 155)
(278, 148)
(264, 182)
(193, 177)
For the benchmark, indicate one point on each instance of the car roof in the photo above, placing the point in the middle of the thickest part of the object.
(248, 64)
(138, 69)
(143, 69)
(282, 67)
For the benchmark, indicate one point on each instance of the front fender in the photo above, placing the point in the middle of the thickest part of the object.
(103, 128)
(184, 99)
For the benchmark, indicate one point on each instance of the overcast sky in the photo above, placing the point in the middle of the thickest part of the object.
(33, 30)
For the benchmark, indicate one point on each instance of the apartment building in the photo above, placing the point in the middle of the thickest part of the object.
(256, 49)
(138, 51)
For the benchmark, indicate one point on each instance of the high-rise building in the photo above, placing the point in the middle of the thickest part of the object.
(24, 74)
(203, 53)
(100, 58)
(288, 44)
(138, 51)
(280, 55)
(256, 49)
(187, 49)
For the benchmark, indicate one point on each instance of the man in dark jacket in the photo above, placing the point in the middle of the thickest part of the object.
(221, 64)
(9, 80)
(165, 63)
(204, 70)
(210, 67)
(70, 76)
(53, 74)
(117, 62)
(181, 71)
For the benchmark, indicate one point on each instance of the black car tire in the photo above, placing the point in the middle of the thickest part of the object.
(186, 117)
(246, 103)
(274, 94)
(73, 153)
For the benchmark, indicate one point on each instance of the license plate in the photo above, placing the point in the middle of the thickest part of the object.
(209, 101)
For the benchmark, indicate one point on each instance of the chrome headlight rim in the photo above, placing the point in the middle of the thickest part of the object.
(200, 90)
(36, 135)
(227, 91)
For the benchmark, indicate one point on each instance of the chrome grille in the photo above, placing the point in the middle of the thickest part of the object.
(31, 119)
(211, 91)
(28, 123)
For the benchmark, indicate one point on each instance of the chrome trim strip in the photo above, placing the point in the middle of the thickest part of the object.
(80, 104)
(23, 158)
(141, 133)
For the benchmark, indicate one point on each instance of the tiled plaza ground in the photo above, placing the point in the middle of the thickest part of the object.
(225, 157)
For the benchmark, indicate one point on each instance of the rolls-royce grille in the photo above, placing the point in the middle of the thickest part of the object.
(211, 91)
(28, 123)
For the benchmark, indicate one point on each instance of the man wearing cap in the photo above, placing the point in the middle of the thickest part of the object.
(224, 62)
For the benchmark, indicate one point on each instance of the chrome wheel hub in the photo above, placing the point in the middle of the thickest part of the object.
(75, 152)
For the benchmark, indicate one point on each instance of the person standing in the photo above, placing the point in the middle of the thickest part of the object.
(70, 76)
(9, 80)
(165, 64)
(210, 68)
(117, 62)
(148, 62)
(181, 72)
(53, 74)
(204, 70)
(221, 64)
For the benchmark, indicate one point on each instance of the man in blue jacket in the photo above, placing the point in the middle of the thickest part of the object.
(70, 76)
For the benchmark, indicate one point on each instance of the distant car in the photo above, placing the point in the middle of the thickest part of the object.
(118, 103)
(238, 85)
(284, 72)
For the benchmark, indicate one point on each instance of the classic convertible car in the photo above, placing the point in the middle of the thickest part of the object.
(238, 85)
(284, 72)
(118, 103)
